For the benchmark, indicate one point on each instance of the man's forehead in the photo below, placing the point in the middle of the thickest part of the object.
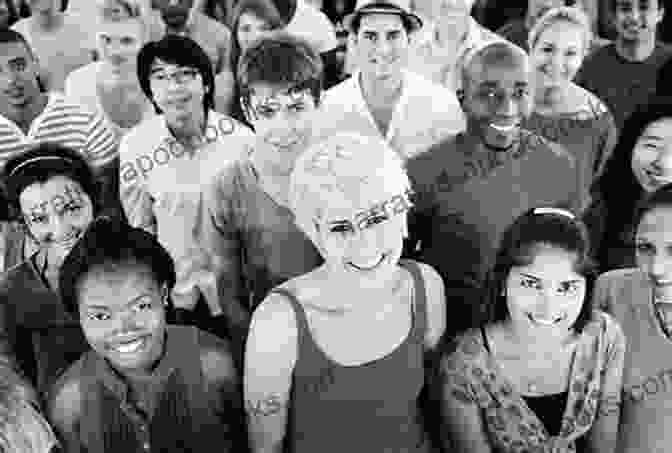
(501, 75)
(271, 91)
(160, 64)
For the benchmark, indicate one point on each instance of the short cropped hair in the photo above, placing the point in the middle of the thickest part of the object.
(345, 165)
(280, 59)
(41, 163)
(568, 14)
(490, 53)
(110, 244)
(180, 51)
(521, 242)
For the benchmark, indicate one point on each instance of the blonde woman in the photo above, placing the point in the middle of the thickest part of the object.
(309, 385)
(110, 86)
(563, 111)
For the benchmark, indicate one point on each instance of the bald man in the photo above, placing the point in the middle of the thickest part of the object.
(471, 187)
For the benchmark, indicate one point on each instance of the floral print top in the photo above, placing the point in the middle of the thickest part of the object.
(471, 376)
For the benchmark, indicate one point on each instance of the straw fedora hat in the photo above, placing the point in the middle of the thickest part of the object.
(397, 7)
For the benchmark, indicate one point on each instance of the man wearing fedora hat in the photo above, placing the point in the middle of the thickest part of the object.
(382, 98)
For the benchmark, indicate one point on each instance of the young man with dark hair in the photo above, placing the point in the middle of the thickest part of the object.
(248, 226)
(29, 115)
(166, 160)
(143, 385)
(631, 62)
(471, 187)
(382, 98)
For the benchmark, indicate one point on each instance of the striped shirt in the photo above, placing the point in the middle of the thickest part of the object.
(66, 123)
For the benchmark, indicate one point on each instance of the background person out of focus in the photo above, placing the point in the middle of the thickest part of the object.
(59, 41)
(110, 85)
(631, 62)
(564, 112)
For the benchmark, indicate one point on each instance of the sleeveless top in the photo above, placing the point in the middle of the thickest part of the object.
(366, 408)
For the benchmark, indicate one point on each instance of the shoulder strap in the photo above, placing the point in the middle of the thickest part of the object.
(419, 299)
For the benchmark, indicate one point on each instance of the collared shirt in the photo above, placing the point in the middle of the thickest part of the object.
(425, 114)
(160, 189)
(440, 65)
(213, 37)
(196, 367)
(64, 122)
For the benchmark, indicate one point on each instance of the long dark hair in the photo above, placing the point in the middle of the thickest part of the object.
(618, 188)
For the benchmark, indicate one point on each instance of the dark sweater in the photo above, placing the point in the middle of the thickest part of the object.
(192, 401)
(466, 199)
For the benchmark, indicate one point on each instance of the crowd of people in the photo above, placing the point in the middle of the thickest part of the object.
(300, 225)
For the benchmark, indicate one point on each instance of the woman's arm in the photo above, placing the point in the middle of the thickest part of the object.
(270, 356)
(603, 435)
(462, 425)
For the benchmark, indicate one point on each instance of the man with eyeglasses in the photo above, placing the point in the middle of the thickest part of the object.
(471, 187)
(167, 159)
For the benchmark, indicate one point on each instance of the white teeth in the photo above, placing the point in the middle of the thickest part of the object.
(503, 128)
(129, 348)
(544, 321)
(369, 264)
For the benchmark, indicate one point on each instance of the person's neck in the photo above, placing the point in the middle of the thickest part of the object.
(111, 80)
(452, 37)
(381, 93)
(274, 181)
(188, 129)
(472, 141)
(635, 50)
(47, 20)
(538, 342)
(25, 115)
(550, 99)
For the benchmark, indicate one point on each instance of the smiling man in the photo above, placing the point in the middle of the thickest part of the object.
(632, 61)
(471, 187)
(383, 99)
(167, 159)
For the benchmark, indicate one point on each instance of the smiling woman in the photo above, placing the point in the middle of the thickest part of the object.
(349, 194)
(53, 190)
(544, 372)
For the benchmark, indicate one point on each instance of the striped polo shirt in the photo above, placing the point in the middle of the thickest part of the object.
(64, 122)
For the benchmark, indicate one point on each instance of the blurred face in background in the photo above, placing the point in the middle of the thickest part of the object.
(174, 13)
(558, 53)
(44, 6)
(637, 20)
(250, 28)
(119, 43)
(652, 155)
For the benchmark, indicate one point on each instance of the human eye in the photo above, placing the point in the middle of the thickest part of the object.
(376, 219)
(127, 40)
(530, 283)
(38, 219)
(296, 108)
(98, 316)
(521, 92)
(265, 111)
(568, 288)
(645, 248)
(160, 76)
(105, 39)
(19, 65)
(371, 37)
(73, 208)
(341, 228)
(547, 48)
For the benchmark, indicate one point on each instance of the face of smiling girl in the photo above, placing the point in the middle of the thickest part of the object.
(547, 294)
(363, 246)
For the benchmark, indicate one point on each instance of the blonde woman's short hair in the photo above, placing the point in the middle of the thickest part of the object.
(346, 167)
(570, 14)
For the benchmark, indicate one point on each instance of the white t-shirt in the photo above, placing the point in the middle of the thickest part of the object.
(160, 187)
(61, 51)
(314, 26)
(425, 114)
(81, 86)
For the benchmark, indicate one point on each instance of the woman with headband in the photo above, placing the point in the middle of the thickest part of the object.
(52, 190)
(544, 372)
(335, 358)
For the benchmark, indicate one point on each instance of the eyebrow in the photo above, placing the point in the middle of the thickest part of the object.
(128, 304)
(539, 279)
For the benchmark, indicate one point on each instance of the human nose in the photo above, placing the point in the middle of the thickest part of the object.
(506, 106)
(663, 162)
(60, 227)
